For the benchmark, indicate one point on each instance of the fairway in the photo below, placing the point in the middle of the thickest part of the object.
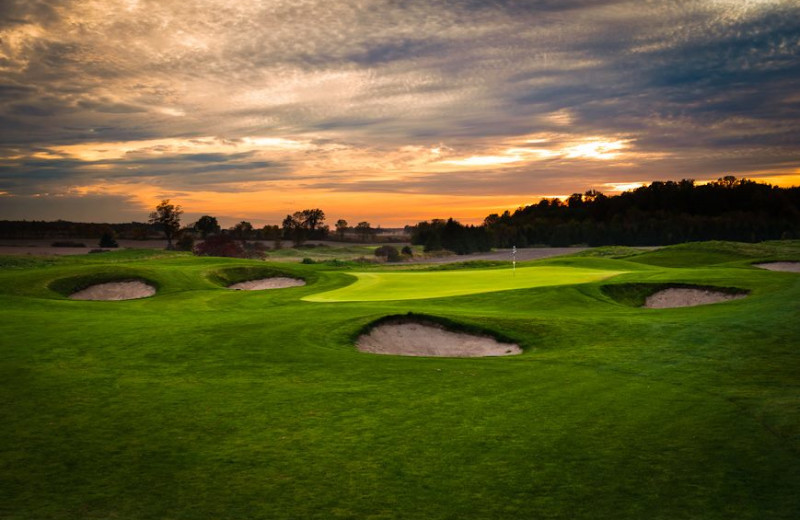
(201, 402)
(371, 287)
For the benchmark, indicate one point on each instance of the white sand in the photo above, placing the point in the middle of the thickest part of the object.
(417, 339)
(278, 282)
(115, 291)
(682, 297)
(789, 267)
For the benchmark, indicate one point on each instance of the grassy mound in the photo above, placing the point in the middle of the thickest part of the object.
(696, 254)
(635, 294)
(232, 275)
(72, 284)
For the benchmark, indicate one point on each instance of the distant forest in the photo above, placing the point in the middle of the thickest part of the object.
(24, 229)
(659, 214)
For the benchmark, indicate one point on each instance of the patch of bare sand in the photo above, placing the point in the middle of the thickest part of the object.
(789, 267)
(277, 282)
(684, 297)
(129, 290)
(420, 339)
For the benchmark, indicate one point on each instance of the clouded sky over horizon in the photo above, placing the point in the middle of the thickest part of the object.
(390, 111)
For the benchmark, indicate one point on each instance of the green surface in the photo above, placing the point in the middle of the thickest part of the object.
(201, 402)
(376, 286)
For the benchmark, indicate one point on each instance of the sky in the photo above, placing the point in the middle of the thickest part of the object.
(389, 111)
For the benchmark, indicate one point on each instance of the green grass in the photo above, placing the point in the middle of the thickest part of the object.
(202, 402)
(635, 294)
(382, 286)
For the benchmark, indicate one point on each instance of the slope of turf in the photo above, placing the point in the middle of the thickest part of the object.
(202, 402)
(379, 286)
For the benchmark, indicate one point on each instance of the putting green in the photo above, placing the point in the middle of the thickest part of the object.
(436, 284)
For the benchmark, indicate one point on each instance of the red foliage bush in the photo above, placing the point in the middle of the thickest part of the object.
(219, 245)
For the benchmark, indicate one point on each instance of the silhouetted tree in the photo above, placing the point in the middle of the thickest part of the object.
(167, 217)
(243, 230)
(207, 225)
(341, 227)
(665, 212)
(293, 229)
(108, 240)
(364, 231)
(312, 219)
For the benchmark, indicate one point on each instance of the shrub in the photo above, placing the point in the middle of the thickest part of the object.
(365, 260)
(389, 252)
(308, 261)
(107, 240)
(407, 251)
(254, 250)
(67, 243)
(185, 242)
(219, 245)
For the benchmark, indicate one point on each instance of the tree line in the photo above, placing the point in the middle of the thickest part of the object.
(659, 214)
(166, 222)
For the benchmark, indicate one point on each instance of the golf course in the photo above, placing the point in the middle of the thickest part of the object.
(202, 402)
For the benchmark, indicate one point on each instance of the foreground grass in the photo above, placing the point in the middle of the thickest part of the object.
(207, 403)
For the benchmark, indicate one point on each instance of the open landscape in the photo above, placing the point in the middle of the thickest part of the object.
(202, 402)
(399, 260)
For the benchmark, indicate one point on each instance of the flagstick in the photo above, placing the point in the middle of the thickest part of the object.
(514, 261)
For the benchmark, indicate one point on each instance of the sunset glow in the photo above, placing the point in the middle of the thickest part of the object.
(384, 111)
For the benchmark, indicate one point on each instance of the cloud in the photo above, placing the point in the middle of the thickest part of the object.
(220, 96)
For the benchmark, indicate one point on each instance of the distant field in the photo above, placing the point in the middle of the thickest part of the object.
(203, 402)
(380, 286)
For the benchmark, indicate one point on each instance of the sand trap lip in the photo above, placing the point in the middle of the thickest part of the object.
(788, 267)
(686, 297)
(113, 291)
(430, 340)
(275, 282)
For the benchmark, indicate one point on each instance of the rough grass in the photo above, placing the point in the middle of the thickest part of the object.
(73, 284)
(207, 403)
(635, 294)
(695, 254)
(232, 275)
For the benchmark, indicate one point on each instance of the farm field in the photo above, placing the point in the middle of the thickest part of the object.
(202, 402)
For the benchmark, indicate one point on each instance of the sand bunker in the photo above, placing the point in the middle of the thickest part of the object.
(420, 339)
(789, 267)
(129, 290)
(684, 297)
(277, 282)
